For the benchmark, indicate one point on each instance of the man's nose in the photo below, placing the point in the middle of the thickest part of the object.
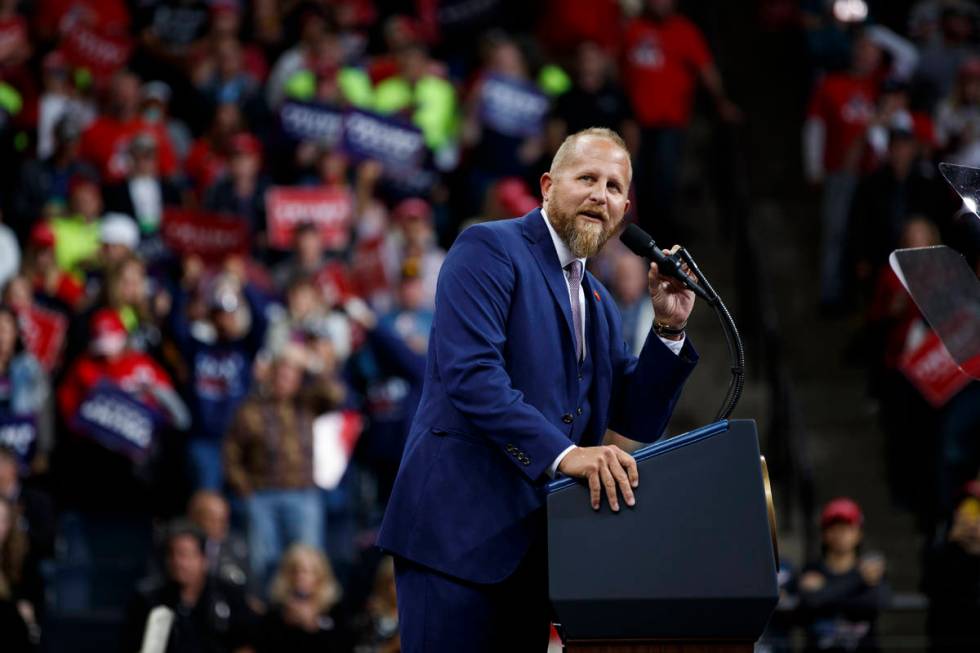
(598, 194)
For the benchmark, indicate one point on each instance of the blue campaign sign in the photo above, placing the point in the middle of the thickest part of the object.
(19, 434)
(305, 121)
(512, 107)
(118, 422)
(395, 143)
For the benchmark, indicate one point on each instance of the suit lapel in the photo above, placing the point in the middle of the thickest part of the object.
(543, 250)
(597, 334)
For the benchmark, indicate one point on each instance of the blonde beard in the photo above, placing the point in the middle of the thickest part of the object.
(583, 241)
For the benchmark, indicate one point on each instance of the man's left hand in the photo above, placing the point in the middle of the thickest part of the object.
(672, 301)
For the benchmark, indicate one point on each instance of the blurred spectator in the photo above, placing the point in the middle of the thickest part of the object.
(223, 77)
(413, 314)
(952, 579)
(504, 141)
(894, 112)
(841, 107)
(629, 287)
(20, 583)
(122, 455)
(76, 234)
(567, 24)
(892, 321)
(59, 101)
(43, 186)
(958, 117)
(208, 157)
(308, 259)
(315, 68)
(842, 594)
(269, 461)
(389, 374)
(414, 238)
(885, 199)
(241, 191)
(596, 98)
(208, 614)
(43, 275)
(377, 630)
(311, 326)
(421, 95)
(143, 194)
(24, 390)
(155, 109)
(665, 56)
(218, 350)
(105, 142)
(943, 57)
(33, 507)
(302, 617)
(227, 553)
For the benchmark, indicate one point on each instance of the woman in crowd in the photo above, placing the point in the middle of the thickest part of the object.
(24, 390)
(302, 617)
(20, 586)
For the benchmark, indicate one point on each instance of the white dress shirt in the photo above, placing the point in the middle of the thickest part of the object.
(564, 258)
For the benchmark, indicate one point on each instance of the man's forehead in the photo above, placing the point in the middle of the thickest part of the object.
(593, 150)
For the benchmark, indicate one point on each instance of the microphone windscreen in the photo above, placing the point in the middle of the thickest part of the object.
(637, 240)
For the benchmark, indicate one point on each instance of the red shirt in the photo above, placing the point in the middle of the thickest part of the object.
(106, 140)
(132, 371)
(566, 23)
(845, 104)
(204, 164)
(662, 61)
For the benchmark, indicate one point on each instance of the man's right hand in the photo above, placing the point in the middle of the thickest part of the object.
(603, 467)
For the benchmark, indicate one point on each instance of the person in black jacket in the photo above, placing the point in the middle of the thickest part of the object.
(952, 579)
(303, 617)
(209, 615)
(842, 594)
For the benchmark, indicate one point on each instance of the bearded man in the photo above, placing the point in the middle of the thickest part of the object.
(526, 371)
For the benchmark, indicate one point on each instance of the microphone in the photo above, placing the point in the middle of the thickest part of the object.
(642, 244)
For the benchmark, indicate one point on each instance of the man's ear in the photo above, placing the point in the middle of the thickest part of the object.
(546, 182)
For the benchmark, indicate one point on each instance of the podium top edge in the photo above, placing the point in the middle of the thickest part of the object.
(657, 448)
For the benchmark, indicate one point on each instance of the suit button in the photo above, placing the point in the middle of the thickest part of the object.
(526, 461)
(567, 418)
(578, 412)
(510, 448)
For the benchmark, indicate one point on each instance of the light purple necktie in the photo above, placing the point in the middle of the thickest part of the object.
(574, 283)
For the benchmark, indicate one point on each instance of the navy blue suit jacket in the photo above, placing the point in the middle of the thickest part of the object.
(501, 376)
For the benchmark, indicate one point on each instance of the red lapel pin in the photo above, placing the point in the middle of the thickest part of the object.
(596, 293)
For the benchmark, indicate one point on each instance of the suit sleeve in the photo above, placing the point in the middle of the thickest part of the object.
(472, 306)
(646, 388)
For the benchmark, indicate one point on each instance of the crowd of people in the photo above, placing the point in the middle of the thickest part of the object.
(223, 222)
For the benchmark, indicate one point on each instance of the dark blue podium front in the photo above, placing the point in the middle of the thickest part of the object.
(694, 559)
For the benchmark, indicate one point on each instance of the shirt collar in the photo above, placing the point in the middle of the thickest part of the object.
(565, 255)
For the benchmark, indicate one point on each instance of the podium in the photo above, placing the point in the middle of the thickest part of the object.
(690, 568)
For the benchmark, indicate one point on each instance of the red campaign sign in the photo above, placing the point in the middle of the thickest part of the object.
(102, 54)
(211, 236)
(327, 207)
(933, 372)
(43, 331)
(368, 268)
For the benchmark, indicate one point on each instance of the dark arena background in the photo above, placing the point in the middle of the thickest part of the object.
(222, 226)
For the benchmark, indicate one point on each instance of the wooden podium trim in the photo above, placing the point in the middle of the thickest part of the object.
(770, 508)
(657, 646)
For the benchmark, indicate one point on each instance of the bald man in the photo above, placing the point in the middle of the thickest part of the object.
(526, 371)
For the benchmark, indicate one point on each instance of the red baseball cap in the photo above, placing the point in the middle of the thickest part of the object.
(840, 510)
(413, 207)
(42, 235)
(244, 143)
(108, 334)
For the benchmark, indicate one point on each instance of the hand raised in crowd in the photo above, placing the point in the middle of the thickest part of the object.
(605, 467)
(672, 301)
(872, 569)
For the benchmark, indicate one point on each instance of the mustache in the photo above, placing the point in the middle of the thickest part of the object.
(595, 212)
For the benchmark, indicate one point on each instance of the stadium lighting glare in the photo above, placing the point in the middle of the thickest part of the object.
(970, 204)
(850, 11)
